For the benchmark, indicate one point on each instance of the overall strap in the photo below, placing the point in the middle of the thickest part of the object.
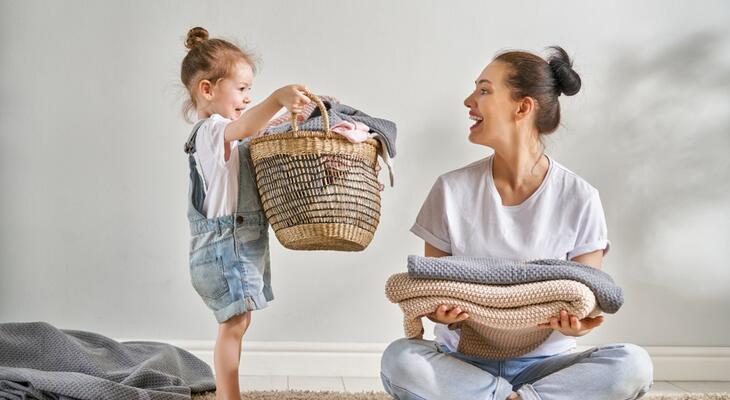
(196, 174)
(190, 144)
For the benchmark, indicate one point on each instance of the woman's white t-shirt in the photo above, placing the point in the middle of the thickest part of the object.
(463, 215)
(220, 176)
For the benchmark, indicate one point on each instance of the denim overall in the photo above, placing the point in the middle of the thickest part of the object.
(229, 255)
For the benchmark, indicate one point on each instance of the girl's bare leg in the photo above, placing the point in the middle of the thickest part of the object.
(227, 356)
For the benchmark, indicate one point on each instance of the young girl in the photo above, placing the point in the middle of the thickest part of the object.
(229, 253)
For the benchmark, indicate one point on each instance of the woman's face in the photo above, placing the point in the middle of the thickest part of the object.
(491, 106)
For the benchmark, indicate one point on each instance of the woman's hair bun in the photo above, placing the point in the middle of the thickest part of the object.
(195, 36)
(567, 79)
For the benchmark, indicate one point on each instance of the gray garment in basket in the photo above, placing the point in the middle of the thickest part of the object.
(341, 112)
(39, 361)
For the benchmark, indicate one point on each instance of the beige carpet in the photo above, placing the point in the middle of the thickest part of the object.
(307, 395)
(303, 395)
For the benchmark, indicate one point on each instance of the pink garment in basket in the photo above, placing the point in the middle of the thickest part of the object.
(356, 132)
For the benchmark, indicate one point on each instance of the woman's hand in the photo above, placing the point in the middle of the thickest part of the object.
(570, 325)
(448, 315)
(292, 97)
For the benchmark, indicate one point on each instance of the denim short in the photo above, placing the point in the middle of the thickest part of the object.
(229, 263)
(229, 256)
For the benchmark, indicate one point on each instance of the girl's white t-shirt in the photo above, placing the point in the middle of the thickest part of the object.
(463, 215)
(220, 176)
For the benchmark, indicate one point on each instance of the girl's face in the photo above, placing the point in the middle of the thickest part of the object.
(491, 106)
(230, 95)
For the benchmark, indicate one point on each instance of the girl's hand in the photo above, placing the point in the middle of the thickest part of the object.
(448, 315)
(570, 325)
(292, 97)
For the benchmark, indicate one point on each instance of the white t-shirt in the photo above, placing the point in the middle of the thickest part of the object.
(220, 176)
(463, 215)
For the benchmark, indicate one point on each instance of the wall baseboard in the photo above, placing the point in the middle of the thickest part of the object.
(682, 363)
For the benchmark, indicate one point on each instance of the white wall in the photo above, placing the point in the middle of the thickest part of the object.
(93, 177)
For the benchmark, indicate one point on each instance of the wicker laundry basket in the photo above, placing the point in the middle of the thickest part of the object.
(318, 190)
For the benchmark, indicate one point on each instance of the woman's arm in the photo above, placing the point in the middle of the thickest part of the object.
(444, 314)
(568, 324)
(594, 259)
(431, 251)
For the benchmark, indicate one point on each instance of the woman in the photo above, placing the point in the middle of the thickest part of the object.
(518, 203)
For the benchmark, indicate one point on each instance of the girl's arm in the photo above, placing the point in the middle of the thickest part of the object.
(256, 118)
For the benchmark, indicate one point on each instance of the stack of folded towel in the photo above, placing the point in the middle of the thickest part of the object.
(505, 299)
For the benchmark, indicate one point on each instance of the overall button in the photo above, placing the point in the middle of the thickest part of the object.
(239, 219)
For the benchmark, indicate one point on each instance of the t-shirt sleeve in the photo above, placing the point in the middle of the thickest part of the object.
(592, 230)
(210, 142)
(432, 221)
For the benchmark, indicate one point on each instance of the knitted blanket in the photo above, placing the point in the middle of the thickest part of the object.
(495, 271)
(38, 361)
(502, 319)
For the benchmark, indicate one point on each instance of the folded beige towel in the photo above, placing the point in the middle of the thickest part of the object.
(502, 320)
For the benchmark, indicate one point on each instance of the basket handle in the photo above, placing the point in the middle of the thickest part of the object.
(322, 109)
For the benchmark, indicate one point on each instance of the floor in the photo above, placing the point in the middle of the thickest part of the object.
(349, 384)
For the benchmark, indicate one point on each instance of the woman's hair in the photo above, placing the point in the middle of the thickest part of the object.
(531, 75)
(211, 59)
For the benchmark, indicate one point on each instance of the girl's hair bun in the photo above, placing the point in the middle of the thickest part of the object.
(195, 36)
(567, 79)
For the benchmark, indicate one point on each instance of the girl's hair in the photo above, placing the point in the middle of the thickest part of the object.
(531, 75)
(211, 59)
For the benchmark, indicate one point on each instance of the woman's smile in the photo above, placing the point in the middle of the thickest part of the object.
(475, 117)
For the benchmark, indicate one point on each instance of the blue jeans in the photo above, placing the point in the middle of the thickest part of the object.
(414, 369)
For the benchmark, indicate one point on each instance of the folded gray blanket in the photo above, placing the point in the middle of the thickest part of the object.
(495, 271)
(341, 112)
(38, 361)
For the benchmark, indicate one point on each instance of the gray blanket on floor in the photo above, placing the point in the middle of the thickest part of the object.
(38, 361)
(495, 271)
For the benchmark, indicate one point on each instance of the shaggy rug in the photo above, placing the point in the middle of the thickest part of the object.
(308, 395)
